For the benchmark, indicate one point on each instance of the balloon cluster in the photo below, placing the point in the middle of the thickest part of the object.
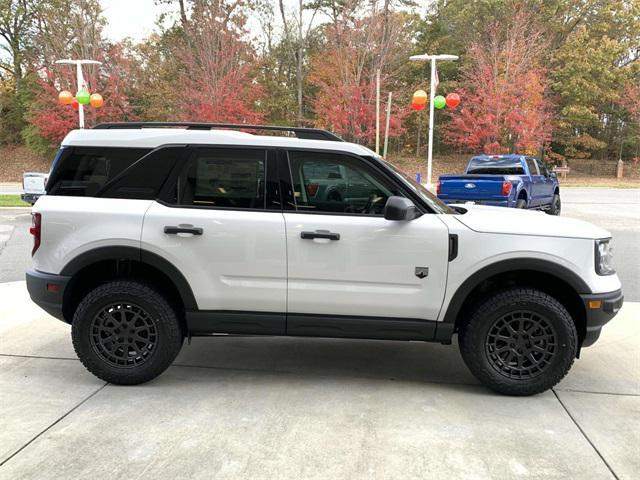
(419, 100)
(82, 98)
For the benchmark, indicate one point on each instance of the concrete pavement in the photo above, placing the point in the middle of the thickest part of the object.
(254, 407)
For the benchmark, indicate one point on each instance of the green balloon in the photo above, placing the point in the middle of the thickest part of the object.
(83, 97)
(439, 102)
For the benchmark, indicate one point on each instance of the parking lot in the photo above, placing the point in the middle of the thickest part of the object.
(250, 407)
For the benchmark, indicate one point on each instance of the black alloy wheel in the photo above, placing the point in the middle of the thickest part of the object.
(521, 344)
(124, 335)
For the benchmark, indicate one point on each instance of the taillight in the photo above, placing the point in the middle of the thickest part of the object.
(36, 230)
(506, 188)
(438, 188)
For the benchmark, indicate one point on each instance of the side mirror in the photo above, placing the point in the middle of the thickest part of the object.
(399, 209)
(553, 175)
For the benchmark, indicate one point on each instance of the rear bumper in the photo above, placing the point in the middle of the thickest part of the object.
(47, 291)
(30, 197)
(491, 203)
(598, 314)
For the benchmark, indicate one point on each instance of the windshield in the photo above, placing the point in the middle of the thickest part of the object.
(425, 194)
(495, 166)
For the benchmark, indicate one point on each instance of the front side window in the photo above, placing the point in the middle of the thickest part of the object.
(543, 168)
(224, 178)
(533, 168)
(333, 183)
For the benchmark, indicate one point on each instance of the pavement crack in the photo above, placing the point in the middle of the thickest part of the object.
(73, 409)
(584, 434)
(37, 356)
(620, 394)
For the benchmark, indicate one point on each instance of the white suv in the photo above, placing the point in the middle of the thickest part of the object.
(150, 233)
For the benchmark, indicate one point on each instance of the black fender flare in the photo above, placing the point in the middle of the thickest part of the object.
(446, 327)
(139, 255)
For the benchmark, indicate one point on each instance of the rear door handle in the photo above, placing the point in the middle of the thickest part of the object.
(320, 234)
(172, 230)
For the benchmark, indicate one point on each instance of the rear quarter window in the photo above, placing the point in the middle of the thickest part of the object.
(83, 171)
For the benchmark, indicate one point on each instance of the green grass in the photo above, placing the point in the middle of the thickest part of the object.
(12, 201)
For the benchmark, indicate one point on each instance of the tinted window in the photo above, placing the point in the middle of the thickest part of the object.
(226, 178)
(83, 171)
(495, 166)
(542, 168)
(144, 179)
(325, 182)
(533, 169)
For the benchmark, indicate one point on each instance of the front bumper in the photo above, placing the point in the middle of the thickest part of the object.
(47, 291)
(600, 308)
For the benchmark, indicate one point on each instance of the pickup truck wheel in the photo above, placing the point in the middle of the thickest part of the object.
(125, 333)
(521, 203)
(556, 205)
(519, 342)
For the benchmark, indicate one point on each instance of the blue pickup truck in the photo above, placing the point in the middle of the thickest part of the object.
(515, 181)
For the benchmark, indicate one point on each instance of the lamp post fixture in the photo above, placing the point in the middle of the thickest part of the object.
(433, 58)
(80, 80)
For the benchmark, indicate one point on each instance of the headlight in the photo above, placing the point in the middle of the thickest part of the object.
(604, 257)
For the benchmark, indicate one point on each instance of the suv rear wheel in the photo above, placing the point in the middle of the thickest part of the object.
(126, 333)
(519, 342)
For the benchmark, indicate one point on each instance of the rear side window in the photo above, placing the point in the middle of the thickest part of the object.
(83, 171)
(224, 178)
(144, 179)
(533, 168)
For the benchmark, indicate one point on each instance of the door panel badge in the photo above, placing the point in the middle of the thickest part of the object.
(422, 272)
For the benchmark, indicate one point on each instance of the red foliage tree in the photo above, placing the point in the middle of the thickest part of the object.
(345, 74)
(53, 121)
(218, 79)
(503, 102)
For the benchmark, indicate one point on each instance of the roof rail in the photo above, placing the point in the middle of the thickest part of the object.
(300, 132)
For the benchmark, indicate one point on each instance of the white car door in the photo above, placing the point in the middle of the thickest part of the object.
(222, 234)
(345, 259)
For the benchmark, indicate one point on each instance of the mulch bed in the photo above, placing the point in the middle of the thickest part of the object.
(17, 159)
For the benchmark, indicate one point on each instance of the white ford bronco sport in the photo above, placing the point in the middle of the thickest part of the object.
(153, 232)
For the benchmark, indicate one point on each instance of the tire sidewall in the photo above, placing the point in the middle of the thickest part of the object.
(167, 345)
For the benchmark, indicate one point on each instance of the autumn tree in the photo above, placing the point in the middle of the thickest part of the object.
(360, 39)
(504, 106)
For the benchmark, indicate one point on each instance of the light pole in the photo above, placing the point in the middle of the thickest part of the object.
(80, 80)
(433, 58)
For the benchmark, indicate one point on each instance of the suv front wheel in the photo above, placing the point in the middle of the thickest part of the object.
(520, 341)
(126, 333)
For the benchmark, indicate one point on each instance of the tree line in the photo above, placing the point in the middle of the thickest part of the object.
(562, 75)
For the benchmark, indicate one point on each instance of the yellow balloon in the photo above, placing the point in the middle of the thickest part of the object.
(420, 97)
(96, 100)
(65, 97)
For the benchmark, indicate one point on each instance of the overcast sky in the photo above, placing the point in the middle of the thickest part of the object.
(136, 18)
(130, 18)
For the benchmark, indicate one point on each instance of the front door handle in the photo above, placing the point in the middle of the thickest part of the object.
(320, 234)
(172, 230)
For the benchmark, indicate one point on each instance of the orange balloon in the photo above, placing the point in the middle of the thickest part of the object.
(420, 97)
(65, 97)
(418, 106)
(96, 100)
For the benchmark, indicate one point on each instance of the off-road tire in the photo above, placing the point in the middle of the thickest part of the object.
(556, 205)
(521, 203)
(161, 319)
(475, 341)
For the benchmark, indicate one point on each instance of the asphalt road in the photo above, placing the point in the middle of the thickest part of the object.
(617, 210)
